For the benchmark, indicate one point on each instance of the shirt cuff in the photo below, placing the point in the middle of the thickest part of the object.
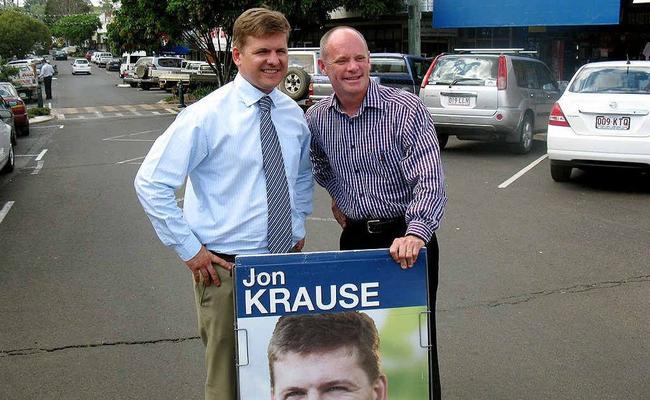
(189, 248)
(419, 229)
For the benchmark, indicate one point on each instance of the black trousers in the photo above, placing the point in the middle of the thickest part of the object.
(355, 236)
(48, 87)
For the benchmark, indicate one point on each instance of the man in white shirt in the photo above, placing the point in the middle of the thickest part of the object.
(47, 71)
(244, 150)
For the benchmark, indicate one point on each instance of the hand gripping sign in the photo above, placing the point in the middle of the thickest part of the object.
(331, 325)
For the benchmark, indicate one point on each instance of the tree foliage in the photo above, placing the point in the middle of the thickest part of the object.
(76, 29)
(20, 33)
(55, 9)
(141, 24)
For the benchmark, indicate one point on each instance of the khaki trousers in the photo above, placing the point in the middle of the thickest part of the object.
(216, 317)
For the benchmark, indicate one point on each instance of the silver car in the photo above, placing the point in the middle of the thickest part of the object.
(489, 96)
(7, 157)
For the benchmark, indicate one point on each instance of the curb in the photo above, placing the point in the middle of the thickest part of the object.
(41, 118)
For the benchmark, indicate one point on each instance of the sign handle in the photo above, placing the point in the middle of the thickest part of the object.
(246, 343)
(426, 344)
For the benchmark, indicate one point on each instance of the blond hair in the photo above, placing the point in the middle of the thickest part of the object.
(258, 22)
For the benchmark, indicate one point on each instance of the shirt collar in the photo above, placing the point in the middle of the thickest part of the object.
(249, 94)
(372, 99)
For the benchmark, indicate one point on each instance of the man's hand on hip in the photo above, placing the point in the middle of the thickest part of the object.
(202, 267)
(404, 250)
(338, 215)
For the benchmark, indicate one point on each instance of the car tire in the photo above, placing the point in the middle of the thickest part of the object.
(525, 143)
(9, 166)
(142, 71)
(295, 83)
(145, 86)
(560, 173)
(14, 135)
(133, 84)
(442, 140)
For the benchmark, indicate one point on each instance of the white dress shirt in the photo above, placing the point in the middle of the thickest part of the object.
(216, 144)
(46, 70)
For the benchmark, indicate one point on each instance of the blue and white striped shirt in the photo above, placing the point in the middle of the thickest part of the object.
(216, 144)
(383, 162)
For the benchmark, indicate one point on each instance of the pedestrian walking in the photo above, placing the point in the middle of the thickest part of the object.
(47, 71)
(244, 149)
(375, 151)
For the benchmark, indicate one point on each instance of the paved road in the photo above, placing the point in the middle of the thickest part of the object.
(544, 287)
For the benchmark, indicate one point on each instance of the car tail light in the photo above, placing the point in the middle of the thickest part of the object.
(425, 81)
(557, 118)
(502, 74)
(19, 108)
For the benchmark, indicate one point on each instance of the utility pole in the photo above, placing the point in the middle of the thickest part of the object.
(414, 27)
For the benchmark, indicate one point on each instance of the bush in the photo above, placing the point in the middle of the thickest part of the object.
(37, 111)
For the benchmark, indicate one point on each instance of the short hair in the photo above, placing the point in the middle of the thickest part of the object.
(326, 38)
(258, 22)
(313, 333)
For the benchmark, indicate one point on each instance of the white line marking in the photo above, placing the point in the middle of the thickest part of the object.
(39, 165)
(135, 112)
(119, 114)
(99, 115)
(60, 126)
(522, 172)
(155, 113)
(128, 161)
(5, 210)
(169, 110)
(131, 134)
(41, 155)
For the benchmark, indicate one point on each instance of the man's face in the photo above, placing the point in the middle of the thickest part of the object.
(262, 61)
(347, 64)
(328, 375)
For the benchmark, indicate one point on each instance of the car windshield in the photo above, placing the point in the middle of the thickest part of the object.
(304, 61)
(8, 91)
(386, 65)
(472, 71)
(623, 79)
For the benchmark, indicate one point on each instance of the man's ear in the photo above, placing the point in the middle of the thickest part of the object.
(236, 56)
(322, 66)
(380, 388)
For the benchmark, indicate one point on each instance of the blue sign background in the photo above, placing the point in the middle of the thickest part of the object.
(492, 13)
(397, 287)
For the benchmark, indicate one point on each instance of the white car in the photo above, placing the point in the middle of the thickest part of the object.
(602, 119)
(80, 66)
(7, 157)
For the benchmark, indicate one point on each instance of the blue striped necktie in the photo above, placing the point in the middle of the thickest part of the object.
(277, 190)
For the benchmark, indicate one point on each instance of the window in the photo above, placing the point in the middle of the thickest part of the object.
(464, 70)
(388, 65)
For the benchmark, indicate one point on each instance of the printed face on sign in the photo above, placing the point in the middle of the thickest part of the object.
(326, 375)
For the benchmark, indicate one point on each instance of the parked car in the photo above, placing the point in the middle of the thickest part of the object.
(7, 156)
(302, 65)
(89, 54)
(128, 61)
(602, 119)
(17, 105)
(81, 66)
(403, 71)
(146, 69)
(113, 64)
(103, 59)
(25, 81)
(8, 118)
(489, 95)
(60, 55)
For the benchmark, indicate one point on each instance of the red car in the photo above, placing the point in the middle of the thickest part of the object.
(10, 94)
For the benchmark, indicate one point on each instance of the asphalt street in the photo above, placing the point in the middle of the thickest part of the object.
(544, 287)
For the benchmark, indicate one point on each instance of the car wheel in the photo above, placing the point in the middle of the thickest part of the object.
(442, 140)
(24, 131)
(525, 143)
(560, 173)
(9, 166)
(296, 83)
(145, 86)
(133, 84)
(14, 140)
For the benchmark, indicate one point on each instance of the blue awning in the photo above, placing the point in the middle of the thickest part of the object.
(498, 13)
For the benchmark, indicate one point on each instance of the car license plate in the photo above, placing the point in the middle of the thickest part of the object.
(458, 101)
(613, 123)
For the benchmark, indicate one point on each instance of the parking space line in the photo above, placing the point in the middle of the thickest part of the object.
(41, 155)
(131, 160)
(522, 172)
(5, 210)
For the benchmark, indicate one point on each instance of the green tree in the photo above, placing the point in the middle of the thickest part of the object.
(20, 33)
(76, 29)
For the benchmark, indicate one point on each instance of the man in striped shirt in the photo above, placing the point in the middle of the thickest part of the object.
(375, 150)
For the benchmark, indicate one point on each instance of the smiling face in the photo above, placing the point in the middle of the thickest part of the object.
(325, 375)
(262, 61)
(347, 64)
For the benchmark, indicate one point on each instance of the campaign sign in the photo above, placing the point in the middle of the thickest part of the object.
(332, 323)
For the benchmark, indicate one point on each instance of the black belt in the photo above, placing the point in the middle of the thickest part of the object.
(227, 257)
(377, 225)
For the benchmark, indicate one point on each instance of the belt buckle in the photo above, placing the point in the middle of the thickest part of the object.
(370, 223)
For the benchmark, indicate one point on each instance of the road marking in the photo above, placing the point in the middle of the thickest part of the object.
(61, 116)
(99, 114)
(119, 114)
(522, 172)
(39, 166)
(121, 138)
(169, 110)
(5, 210)
(147, 107)
(109, 108)
(131, 160)
(41, 155)
(155, 113)
(136, 113)
(61, 126)
(90, 109)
